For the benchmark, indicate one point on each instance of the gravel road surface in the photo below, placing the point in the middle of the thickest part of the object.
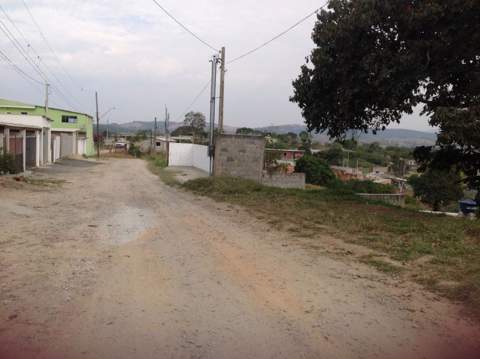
(114, 264)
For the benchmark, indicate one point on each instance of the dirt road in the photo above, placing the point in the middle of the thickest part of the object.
(114, 264)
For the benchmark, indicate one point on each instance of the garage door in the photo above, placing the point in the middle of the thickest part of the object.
(67, 145)
(31, 155)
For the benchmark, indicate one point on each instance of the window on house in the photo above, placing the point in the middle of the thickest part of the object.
(69, 119)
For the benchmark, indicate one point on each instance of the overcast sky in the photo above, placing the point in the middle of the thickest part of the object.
(139, 59)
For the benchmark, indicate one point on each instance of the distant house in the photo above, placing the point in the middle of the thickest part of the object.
(288, 158)
(345, 174)
(71, 132)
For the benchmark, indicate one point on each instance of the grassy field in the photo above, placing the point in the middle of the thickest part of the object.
(440, 252)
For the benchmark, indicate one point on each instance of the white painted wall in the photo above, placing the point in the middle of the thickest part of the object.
(56, 147)
(189, 155)
(200, 157)
(181, 154)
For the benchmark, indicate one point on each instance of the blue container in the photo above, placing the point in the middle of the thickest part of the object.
(468, 206)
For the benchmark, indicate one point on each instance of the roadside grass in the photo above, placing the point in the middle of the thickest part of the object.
(380, 265)
(440, 252)
(157, 164)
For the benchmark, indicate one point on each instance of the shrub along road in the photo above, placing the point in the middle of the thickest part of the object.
(113, 263)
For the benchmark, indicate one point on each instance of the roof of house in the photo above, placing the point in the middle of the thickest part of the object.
(17, 104)
(24, 121)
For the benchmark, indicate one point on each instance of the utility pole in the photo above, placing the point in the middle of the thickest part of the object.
(222, 90)
(46, 97)
(155, 135)
(98, 125)
(213, 92)
(167, 134)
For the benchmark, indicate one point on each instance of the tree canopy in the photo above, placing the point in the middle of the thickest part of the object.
(437, 188)
(377, 60)
(196, 121)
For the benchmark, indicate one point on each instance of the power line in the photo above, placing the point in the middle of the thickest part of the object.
(184, 27)
(194, 101)
(50, 46)
(19, 69)
(63, 87)
(29, 60)
(302, 20)
(18, 46)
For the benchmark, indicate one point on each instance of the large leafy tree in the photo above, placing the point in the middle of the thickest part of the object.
(437, 188)
(196, 121)
(377, 60)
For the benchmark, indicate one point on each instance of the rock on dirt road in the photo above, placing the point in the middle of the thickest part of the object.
(114, 264)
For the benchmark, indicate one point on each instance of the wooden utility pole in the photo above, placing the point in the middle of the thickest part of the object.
(222, 90)
(167, 134)
(98, 125)
(155, 135)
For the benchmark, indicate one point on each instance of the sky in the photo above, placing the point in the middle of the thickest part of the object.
(140, 60)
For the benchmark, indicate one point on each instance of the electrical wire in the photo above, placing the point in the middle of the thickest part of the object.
(193, 102)
(302, 20)
(19, 69)
(29, 60)
(57, 58)
(185, 27)
(23, 53)
(62, 87)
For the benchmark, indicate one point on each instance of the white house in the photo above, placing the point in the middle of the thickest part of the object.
(28, 138)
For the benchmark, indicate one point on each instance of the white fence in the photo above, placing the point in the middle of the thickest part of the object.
(189, 155)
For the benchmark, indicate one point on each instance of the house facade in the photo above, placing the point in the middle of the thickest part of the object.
(71, 132)
(27, 138)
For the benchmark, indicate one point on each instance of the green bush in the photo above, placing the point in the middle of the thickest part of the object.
(158, 160)
(437, 188)
(134, 150)
(8, 164)
(316, 170)
(358, 186)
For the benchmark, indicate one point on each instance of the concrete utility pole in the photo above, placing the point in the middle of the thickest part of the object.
(98, 125)
(222, 90)
(213, 92)
(46, 97)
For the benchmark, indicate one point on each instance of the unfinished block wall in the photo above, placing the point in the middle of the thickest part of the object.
(239, 156)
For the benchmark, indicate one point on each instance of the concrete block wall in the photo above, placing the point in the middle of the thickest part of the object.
(284, 180)
(239, 156)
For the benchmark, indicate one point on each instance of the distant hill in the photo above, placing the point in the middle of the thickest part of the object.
(131, 128)
(397, 137)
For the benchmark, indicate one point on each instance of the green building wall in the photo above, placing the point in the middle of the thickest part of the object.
(84, 122)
